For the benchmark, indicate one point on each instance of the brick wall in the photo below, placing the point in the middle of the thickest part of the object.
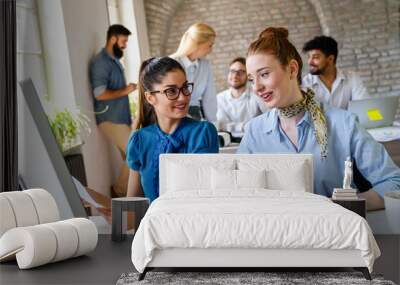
(159, 16)
(367, 31)
(368, 35)
(235, 28)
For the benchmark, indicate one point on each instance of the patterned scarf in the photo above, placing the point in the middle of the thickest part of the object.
(320, 126)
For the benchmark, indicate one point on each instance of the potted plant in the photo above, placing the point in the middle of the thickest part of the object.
(67, 128)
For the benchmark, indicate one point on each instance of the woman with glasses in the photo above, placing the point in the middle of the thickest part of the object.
(195, 44)
(298, 124)
(162, 125)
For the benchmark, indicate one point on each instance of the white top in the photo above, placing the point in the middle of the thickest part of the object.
(347, 86)
(200, 73)
(233, 113)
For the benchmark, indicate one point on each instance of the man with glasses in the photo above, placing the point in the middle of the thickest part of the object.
(110, 90)
(237, 105)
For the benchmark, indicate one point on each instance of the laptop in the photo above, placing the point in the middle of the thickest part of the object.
(375, 112)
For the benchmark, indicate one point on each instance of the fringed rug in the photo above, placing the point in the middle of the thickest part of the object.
(229, 278)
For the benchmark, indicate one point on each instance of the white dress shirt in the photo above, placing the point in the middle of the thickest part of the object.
(346, 87)
(233, 113)
(200, 73)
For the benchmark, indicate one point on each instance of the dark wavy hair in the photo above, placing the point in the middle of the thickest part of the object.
(327, 45)
(152, 71)
(116, 30)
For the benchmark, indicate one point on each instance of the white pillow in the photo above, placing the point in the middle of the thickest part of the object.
(224, 179)
(294, 179)
(192, 176)
(251, 178)
(183, 177)
(282, 174)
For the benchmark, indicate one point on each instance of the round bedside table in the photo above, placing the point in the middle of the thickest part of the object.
(138, 205)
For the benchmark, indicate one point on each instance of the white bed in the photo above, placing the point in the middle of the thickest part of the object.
(219, 210)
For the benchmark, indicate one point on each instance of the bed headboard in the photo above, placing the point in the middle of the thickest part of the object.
(284, 170)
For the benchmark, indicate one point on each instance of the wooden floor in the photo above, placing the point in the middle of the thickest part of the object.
(102, 266)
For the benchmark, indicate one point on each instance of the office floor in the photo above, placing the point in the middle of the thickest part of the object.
(102, 266)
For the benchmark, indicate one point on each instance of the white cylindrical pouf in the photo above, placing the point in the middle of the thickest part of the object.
(40, 244)
(34, 245)
(45, 205)
(67, 240)
(23, 208)
(40, 247)
(87, 234)
(7, 218)
(392, 206)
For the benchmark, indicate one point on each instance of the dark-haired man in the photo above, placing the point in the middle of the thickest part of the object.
(110, 91)
(237, 105)
(331, 85)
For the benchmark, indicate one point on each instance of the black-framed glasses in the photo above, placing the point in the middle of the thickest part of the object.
(172, 93)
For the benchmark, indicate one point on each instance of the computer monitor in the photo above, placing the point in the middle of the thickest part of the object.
(55, 154)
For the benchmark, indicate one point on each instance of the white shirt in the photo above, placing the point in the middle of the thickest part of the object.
(233, 113)
(346, 87)
(200, 73)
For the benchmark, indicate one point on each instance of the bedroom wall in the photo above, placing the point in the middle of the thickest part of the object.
(34, 163)
(367, 31)
(56, 40)
(102, 159)
(85, 36)
(49, 53)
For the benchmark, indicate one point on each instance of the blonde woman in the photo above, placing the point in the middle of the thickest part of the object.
(195, 44)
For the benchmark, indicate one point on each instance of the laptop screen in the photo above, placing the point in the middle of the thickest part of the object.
(375, 112)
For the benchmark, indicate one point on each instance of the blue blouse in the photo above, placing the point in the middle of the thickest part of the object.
(346, 138)
(145, 146)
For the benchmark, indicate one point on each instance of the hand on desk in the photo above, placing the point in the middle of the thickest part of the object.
(374, 200)
(105, 210)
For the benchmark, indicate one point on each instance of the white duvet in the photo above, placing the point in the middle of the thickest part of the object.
(254, 218)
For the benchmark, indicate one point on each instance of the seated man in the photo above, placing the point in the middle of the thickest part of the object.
(330, 84)
(237, 105)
